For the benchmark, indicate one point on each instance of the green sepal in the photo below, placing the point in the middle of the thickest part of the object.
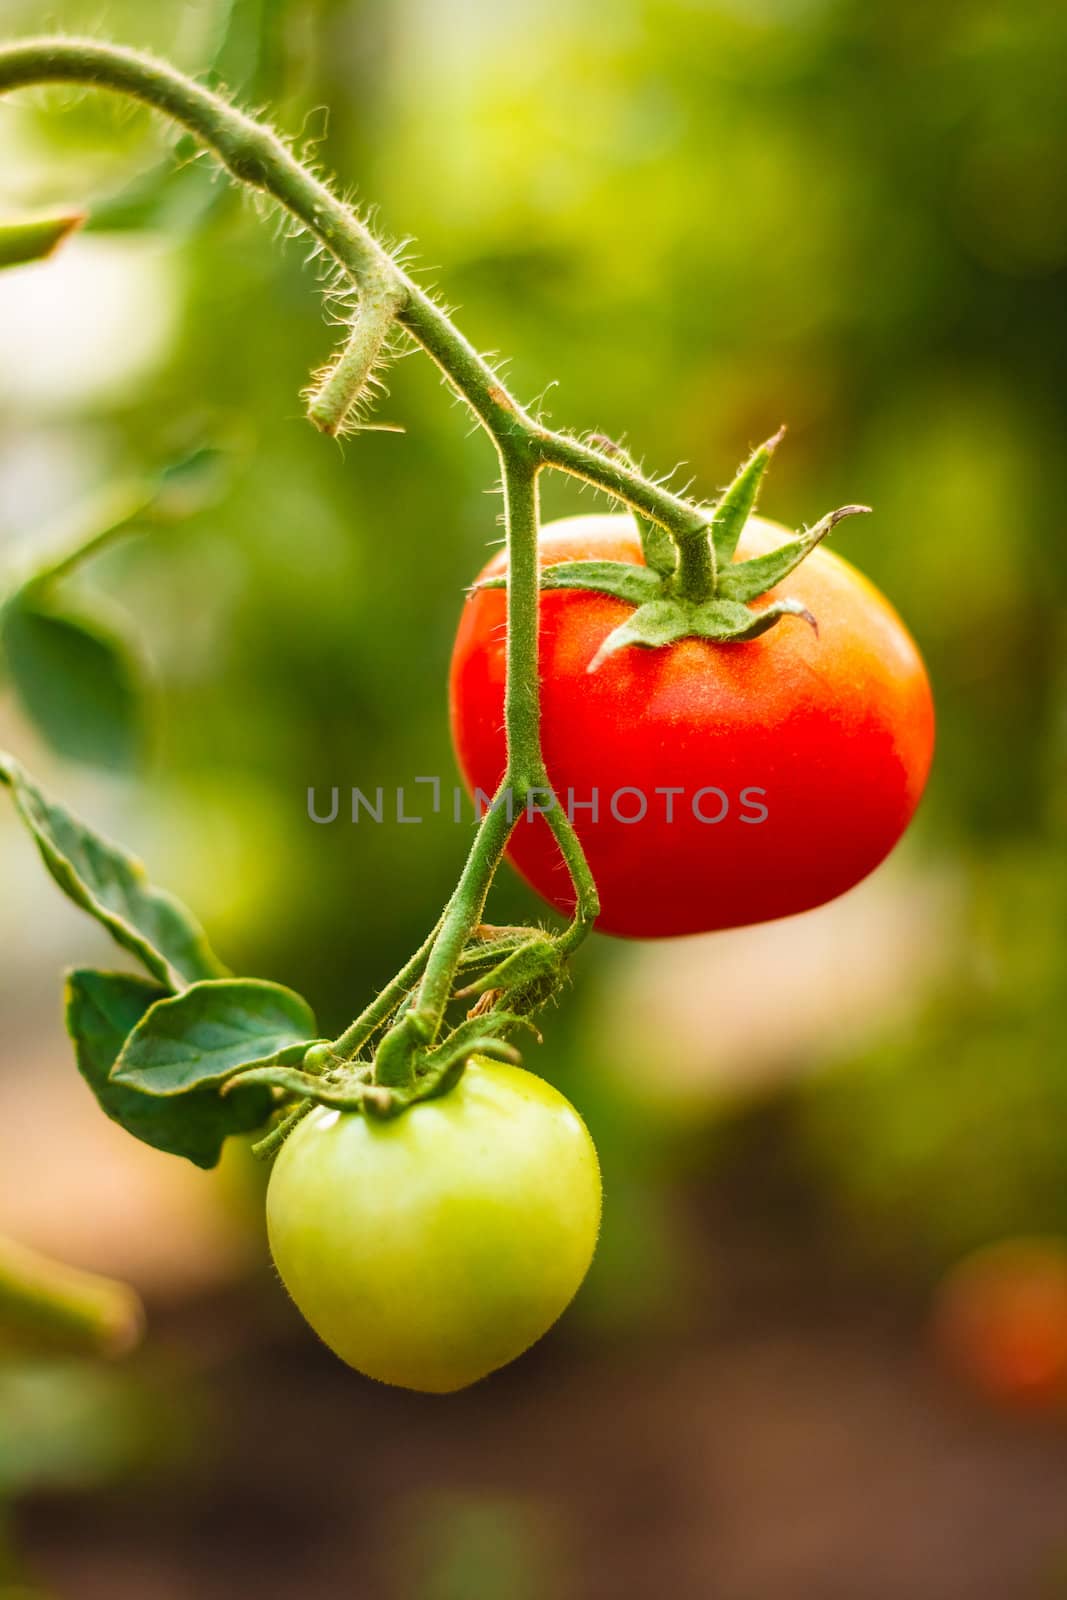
(452, 1066)
(478, 1035)
(212, 1030)
(623, 579)
(726, 622)
(490, 944)
(664, 622)
(739, 501)
(664, 611)
(102, 1009)
(113, 887)
(489, 1045)
(395, 1058)
(653, 625)
(746, 580)
(465, 1038)
(660, 550)
(436, 1085)
(538, 958)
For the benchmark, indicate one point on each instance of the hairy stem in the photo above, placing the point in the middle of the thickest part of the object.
(336, 396)
(587, 899)
(695, 577)
(258, 157)
(464, 910)
(272, 1142)
(605, 470)
(381, 1008)
(522, 698)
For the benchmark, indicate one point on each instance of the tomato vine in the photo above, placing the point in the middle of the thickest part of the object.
(387, 295)
(191, 1054)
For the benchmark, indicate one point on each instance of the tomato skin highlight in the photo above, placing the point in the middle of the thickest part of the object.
(430, 1249)
(835, 729)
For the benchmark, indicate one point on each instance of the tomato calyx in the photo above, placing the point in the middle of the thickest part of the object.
(522, 968)
(691, 585)
(524, 980)
(352, 1086)
(663, 622)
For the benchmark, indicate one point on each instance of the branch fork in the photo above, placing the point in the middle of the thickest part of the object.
(400, 1049)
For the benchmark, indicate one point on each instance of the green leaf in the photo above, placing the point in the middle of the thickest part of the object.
(203, 1036)
(167, 197)
(102, 1008)
(739, 501)
(190, 485)
(77, 681)
(112, 886)
(35, 238)
(252, 54)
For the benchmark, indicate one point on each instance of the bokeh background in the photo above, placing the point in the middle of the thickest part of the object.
(683, 222)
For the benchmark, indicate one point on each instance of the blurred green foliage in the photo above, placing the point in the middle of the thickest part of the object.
(684, 221)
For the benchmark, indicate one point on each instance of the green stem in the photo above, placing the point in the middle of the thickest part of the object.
(464, 910)
(522, 698)
(46, 1301)
(525, 769)
(272, 1142)
(587, 898)
(605, 470)
(255, 155)
(346, 380)
(351, 1042)
(695, 578)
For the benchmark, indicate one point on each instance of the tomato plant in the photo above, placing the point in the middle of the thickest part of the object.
(434, 1208)
(430, 1249)
(713, 785)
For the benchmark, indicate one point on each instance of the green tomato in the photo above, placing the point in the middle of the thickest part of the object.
(432, 1248)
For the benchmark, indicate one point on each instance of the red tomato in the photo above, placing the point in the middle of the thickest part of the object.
(798, 759)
